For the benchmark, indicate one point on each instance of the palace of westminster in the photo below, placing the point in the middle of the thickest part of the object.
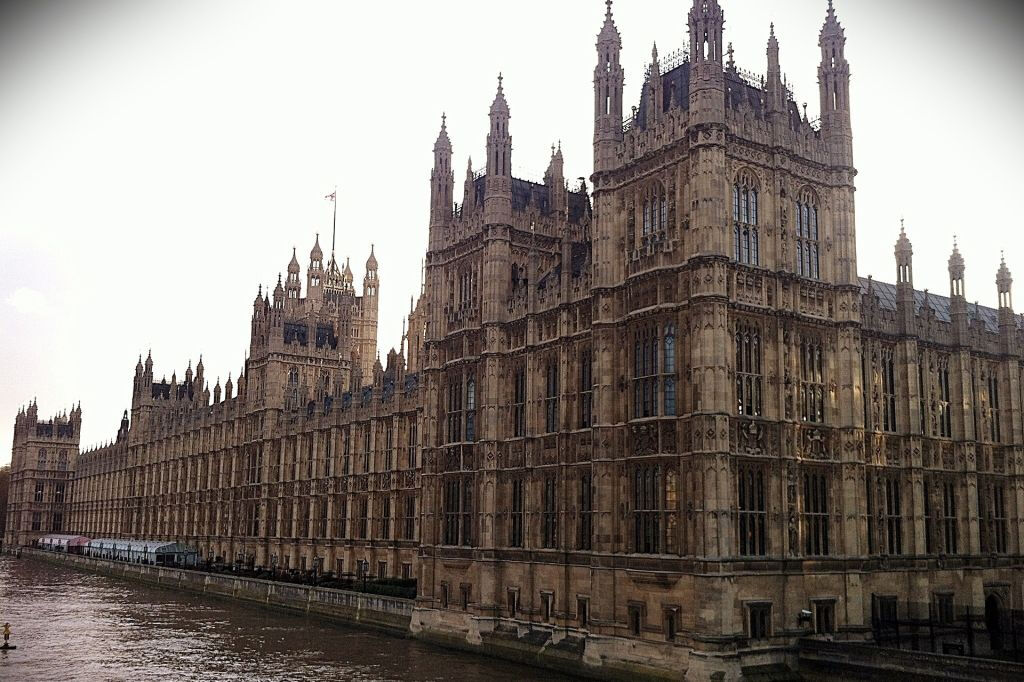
(663, 414)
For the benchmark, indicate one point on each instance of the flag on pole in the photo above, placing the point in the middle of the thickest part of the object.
(332, 196)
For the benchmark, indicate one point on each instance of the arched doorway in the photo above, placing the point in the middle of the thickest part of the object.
(994, 622)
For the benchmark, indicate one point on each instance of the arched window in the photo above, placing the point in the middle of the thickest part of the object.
(471, 410)
(655, 210)
(746, 239)
(807, 256)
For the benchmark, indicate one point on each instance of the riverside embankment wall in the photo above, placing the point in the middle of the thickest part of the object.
(389, 613)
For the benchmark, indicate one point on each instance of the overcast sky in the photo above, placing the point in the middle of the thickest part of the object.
(159, 160)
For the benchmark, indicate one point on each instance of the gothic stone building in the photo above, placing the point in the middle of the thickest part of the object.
(662, 417)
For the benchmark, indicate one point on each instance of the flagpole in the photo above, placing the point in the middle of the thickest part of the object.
(334, 223)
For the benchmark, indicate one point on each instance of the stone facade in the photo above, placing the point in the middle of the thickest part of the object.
(42, 467)
(661, 416)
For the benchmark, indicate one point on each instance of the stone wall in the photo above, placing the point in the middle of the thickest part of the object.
(388, 613)
(842, 661)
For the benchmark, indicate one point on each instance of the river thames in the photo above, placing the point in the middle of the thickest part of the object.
(72, 625)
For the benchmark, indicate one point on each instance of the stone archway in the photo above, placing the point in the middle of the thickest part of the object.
(994, 621)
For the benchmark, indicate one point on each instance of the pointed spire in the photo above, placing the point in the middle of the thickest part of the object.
(500, 105)
(316, 254)
(293, 264)
(443, 142)
(731, 63)
(371, 262)
(609, 33)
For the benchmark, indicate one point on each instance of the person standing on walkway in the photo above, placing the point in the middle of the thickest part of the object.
(7, 633)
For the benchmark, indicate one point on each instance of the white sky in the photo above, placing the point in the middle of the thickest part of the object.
(159, 160)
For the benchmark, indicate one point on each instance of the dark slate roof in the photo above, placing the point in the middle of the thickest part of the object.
(737, 90)
(886, 296)
(526, 193)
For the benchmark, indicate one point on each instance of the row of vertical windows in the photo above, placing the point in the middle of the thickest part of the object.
(655, 213)
(461, 414)
(748, 371)
(746, 240)
(651, 351)
(458, 512)
(807, 239)
(812, 382)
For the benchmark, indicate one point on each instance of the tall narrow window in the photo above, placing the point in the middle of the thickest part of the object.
(409, 517)
(948, 523)
(586, 369)
(647, 511)
(943, 405)
(389, 445)
(519, 404)
(893, 515)
(515, 530)
(458, 498)
(869, 500)
(454, 414)
(549, 515)
(471, 410)
(993, 405)
(748, 370)
(753, 510)
(746, 240)
(364, 507)
(413, 434)
(645, 372)
(551, 398)
(812, 382)
(385, 518)
(585, 524)
(668, 366)
(815, 514)
(807, 236)
(992, 516)
(888, 390)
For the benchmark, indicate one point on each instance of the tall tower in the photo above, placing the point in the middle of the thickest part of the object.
(707, 118)
(497, 211)
(608, 81)
(442, 182)
(834, 87)
(368, 323)
(42, 464)
(498, 186)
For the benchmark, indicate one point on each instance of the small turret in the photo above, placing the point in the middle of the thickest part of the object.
(315, 274)
(554, 178)
(228, 388)
(774, 89)
(834, 88)
(608, 84)
(956, 273)
(293, 287)
(1003, 284)
(442, 182)
(216, 391)
(498, 185)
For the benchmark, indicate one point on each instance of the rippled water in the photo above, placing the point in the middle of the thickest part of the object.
(72, 625)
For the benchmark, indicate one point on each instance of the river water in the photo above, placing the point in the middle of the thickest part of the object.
(72, 625)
